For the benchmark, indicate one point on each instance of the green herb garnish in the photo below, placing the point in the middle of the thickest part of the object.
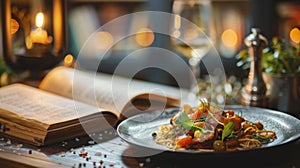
(228, 129)
(184, 121)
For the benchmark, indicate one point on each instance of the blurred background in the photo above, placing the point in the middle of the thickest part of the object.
(233, 20)
(37, 36)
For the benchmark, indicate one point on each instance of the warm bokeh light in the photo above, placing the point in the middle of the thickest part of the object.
(176, 33)
(144, 37)
(229, 38)
(191, 34)
(103, 40)
(177, 22)
(28, 42)
(68, 60)
(39, 19)
(295, 35)
(14, 26)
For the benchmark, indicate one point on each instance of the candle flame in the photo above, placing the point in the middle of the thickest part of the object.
(39, 19)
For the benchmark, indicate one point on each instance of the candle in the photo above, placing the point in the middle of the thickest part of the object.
(39, 35)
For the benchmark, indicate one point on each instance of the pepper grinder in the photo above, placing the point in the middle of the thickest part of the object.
(255, 89)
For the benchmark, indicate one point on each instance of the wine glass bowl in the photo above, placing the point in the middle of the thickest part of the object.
(193, 30)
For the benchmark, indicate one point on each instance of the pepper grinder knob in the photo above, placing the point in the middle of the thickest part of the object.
(255, 89)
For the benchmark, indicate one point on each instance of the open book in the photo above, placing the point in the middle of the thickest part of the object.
(70, 103)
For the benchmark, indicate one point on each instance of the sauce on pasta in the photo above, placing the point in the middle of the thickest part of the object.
(209, 128)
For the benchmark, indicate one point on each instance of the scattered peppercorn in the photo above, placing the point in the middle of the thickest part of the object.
(83, 154)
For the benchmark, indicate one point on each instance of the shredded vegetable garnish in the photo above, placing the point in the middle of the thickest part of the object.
(209, 128)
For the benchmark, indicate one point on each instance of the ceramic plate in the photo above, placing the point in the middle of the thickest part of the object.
(138, 129)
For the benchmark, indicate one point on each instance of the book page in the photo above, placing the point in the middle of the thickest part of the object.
(106, 91)
(80, 86)
(36, 108)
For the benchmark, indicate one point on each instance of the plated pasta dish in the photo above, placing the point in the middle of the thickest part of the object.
(209, 128)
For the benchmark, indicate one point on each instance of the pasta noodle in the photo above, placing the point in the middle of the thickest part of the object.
(209, 128)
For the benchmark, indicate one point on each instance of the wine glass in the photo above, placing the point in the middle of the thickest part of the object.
(194, 32)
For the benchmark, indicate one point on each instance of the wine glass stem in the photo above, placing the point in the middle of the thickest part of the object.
(194, 64)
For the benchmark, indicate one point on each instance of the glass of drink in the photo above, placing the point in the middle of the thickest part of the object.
(193, 31)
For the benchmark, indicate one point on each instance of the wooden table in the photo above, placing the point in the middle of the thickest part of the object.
(111, 151)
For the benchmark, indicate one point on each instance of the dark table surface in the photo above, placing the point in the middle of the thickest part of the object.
(114, 152)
